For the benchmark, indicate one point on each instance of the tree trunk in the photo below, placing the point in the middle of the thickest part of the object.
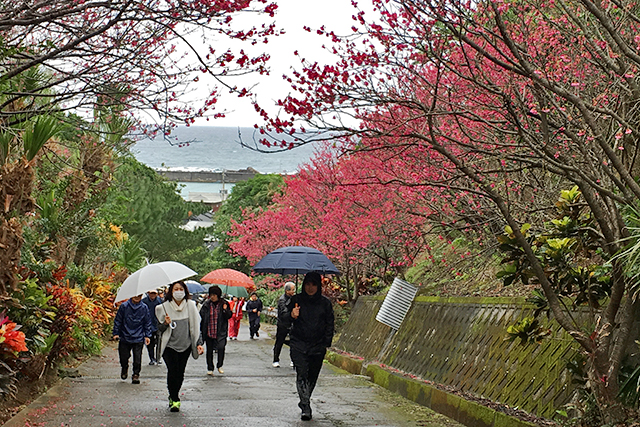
(16, 185)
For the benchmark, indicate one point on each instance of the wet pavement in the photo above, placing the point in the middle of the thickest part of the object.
(250, 393)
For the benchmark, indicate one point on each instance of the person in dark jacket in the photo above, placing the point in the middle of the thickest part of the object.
(152, 300)
(312, 325)
(284, 321)
(214, 326)
(132, 328)
(254, 307)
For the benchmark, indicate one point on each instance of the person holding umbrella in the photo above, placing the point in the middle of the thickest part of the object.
(180, 327)
(132, 328)
(214, 326)
(312, 327)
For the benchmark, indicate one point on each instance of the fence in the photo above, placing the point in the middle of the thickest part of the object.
(461, 342)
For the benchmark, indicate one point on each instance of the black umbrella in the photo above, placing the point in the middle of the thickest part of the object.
(295, 260)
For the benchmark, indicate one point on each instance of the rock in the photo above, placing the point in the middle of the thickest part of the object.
(68, 372)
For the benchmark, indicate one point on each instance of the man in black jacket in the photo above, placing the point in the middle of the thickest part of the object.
(284, 321)
(254, 307)
(214, 326)
(311, 333)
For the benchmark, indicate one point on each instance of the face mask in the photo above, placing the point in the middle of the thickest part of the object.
(178, 295)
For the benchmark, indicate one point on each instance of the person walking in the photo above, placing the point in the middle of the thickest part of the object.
(132, 328)
(312, 327)
(152, 300)
(234, 323)
(284, 321)
(179, 324)
(215, 314)
(254, 307)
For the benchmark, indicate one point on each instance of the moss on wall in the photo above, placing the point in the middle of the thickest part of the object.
(461, 342)
(455, 407)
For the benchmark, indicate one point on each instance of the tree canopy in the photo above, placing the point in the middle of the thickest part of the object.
(494, 107)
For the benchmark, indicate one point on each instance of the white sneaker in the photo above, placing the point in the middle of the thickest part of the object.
(276, 364)
(209, 372)
(220, 370)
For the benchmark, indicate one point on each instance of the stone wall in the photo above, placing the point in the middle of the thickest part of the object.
(208, 176)
(461, 342)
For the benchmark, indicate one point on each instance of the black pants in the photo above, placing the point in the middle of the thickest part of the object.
(217, 344)
(124, 351)
(151, 347)
(281, 334)
(254, 325)
(176, 364)
(308, 368)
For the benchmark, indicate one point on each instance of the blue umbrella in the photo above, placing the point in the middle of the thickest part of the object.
(195, 287)
(295, 260)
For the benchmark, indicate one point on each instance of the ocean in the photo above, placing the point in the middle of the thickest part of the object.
(216, 148)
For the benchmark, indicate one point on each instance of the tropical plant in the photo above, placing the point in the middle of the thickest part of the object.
(12, 341)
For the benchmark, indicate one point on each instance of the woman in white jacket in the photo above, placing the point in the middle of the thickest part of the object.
(179, 323)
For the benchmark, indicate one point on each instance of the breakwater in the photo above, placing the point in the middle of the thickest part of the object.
(230, 176)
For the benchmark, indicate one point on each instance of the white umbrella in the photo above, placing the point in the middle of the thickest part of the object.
(151, 277)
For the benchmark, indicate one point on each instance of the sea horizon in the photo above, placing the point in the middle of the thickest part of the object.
(218, 148)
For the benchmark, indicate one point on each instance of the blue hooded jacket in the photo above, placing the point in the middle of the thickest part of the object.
(133, 322)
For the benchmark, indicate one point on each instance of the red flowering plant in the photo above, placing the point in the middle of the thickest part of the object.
(12, 341)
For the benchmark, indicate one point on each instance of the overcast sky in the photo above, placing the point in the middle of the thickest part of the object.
(292, 15)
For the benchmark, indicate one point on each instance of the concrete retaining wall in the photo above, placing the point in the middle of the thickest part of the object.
(460, 342)
(468, 413)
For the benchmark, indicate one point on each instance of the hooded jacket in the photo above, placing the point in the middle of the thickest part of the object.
(133, 322)
(312, 331)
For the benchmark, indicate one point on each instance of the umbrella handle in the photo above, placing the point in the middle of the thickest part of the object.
(172, 325)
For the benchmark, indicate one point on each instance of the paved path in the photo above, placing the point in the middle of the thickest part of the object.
(250, 393)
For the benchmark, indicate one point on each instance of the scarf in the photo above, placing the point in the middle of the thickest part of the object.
(177, 307)
(177, 312)
(213, 320)
(237, 309)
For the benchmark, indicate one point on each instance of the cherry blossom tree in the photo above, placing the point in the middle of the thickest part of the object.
(61, 59)
(336, 206)
(503, 99)
(155, 52)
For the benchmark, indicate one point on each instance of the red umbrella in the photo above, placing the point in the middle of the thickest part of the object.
(229, 277)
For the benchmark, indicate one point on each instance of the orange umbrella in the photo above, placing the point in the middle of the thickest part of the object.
(229, 277)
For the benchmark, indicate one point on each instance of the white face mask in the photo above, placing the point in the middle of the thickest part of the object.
(178, 295)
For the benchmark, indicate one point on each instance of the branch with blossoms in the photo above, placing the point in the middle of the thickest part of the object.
(154, 50)
(504, 103)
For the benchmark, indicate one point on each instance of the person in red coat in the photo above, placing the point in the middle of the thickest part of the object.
(234, 322)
